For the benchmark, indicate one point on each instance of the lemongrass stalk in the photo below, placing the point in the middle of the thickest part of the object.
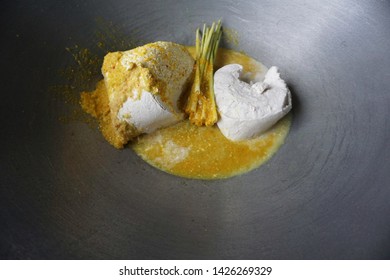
(201, 106)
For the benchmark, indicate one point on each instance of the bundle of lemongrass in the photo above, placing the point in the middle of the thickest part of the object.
(201, 106)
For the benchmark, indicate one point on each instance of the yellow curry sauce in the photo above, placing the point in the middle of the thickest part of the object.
(196, 152)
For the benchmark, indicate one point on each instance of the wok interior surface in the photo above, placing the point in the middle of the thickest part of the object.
(66, 193)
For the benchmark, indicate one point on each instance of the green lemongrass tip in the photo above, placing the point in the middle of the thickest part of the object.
(209, 41)
(197, 42)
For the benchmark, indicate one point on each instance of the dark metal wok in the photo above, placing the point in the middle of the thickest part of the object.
(66, 193)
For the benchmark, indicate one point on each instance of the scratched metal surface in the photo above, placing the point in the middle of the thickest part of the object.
(65, 193)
